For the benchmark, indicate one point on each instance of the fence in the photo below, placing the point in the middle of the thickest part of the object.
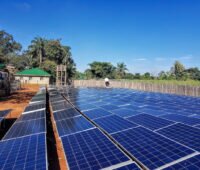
(153, 87)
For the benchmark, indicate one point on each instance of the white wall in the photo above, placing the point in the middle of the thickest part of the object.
(32, 80)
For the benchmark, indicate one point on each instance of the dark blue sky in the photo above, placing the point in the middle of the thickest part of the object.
(147, 35)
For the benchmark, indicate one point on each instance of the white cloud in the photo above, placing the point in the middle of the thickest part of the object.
(140, 59)
(187, 57)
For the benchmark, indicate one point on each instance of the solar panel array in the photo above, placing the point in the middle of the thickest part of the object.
(24, 145)
(85, 146)
(4, 113)
(138, 122)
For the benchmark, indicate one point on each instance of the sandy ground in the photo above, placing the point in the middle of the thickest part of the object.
(18, 100)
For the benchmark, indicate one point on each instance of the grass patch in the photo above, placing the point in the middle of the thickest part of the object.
(170, 82)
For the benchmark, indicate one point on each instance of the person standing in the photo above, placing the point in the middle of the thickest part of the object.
(107, 83)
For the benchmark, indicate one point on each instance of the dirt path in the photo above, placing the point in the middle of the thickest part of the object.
(18, 100)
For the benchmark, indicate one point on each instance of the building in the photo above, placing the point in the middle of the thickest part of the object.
(33, 76)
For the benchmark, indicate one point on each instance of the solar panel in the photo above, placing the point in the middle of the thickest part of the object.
(35, 107)
(182, 119)
(96, 113)
(131, 166)
(83, 107)
(184, 134)
(192, 163)
(91, 150)
(61, 106)
(124, 112)
(65, 114)
(24, 153)
(24, 128)
(109, 107)
(155, 112)
(197, 126)
(3, 113)
(150, 121)
(33, 115)
(73, 125)
(151, 149)
(113, 123)
(1, 118)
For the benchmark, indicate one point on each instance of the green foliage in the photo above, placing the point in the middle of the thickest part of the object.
(101, 70)
(50, 67)
(121, 70)
(8, 46)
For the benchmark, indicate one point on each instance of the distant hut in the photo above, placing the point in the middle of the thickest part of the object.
(33, 76)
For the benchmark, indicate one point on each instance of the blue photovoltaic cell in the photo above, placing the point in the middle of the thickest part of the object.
(197, 126)
(3, 113)
(24, 153)
(109, 107)
(61, 106)
(24, 128)
(33, 115)
(35, 107)
(65, 114)
(150, 121)
(91, 150)
(154, 111)
(123, 112)
(114, 123)
(83, 107)
(151, 149)
(1, 118)
(132, 166)
(96, 113)
(187, 135)
(182, 119)
(72, 125)
(192, 163)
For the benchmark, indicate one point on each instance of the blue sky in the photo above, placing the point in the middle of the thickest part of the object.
(147, 35)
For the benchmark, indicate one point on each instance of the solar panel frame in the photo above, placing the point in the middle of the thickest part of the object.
(91, 150)
(26, 128)
(65, 114)
(131, 166)
(31, 116)
(150, 122)
(113, 123)
(73, 125)
(182, 119)
(96, 113)
(187, 135)
(28, 152)
(150, 148)
(192, 163)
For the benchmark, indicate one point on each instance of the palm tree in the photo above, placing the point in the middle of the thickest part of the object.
(121, 69)
(37, 50)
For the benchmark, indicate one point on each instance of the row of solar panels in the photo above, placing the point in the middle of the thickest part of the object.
(152, 149)
(85, 146)
(3, 114)
(24, 145)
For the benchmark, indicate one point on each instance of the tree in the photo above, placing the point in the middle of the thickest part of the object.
(37, 51)
(147, 76)
(194, 73)
(179, 70)
(137, 76)
(50, 67)
(101, 70)
(7, 46)
(121, 70)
